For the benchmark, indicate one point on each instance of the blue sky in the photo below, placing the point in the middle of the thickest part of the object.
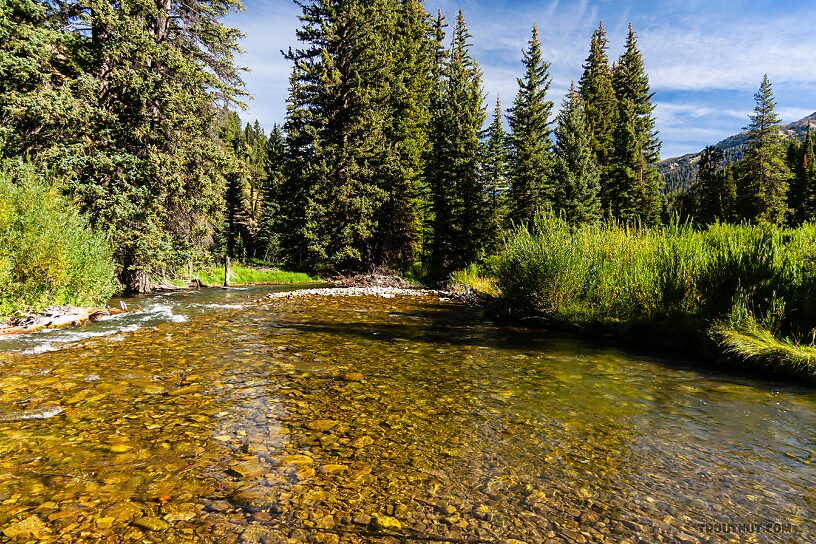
(705, 58)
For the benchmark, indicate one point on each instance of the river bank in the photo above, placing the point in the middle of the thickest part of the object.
(55, 317)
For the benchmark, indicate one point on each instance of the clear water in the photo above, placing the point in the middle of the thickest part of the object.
(212, 417)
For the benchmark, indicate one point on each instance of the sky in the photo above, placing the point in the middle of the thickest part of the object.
(705, 58)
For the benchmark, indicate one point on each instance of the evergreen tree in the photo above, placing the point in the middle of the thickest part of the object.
(637, 184)
(494, 180)
(340, 71)
(625, 189)
(803, 185)
(600, 104)
(402, 216)
(362, 82)
(710, 184)
(300, 214)
(764, 175)
(531, 153)
(575, 175)
(268, 246)
(151, 172)
(458, 200)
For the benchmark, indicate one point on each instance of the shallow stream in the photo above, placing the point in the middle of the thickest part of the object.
(208, 417)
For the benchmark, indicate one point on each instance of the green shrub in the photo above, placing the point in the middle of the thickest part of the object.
(48, 253)
(611, 275)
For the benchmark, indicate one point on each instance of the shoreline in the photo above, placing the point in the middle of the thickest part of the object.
(56, 317)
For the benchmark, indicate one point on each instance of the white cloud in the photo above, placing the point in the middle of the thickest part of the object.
(696, 52)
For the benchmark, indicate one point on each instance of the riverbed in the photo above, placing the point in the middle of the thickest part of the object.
(216, 417)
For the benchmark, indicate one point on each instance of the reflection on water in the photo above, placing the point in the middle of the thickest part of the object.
(369, 420)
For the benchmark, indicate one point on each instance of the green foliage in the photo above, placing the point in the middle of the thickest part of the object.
(802, 193)
(354, 193)
(119, 100)
(635, 194)
(531, 158)
(474, 279)
(457, 194)
(575, 175)
(598, 95)
(494, 174)
(48, 253)
(239, 274)
(617, 275)
(763, 173)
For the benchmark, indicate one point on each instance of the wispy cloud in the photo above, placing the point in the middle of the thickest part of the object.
(705, 59)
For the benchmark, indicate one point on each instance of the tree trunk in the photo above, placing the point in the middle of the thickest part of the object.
(227, 271)
(139, 282)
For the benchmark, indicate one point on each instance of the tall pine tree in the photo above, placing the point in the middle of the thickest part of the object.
(457, 193)
(636, 183)
(575, 175)
(402, 216)
(764, 176)
(531, 148)
(494, 180)
(600, 103)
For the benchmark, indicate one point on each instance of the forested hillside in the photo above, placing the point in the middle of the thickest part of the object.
(679, 172)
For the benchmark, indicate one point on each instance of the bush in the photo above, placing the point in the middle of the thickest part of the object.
(48, 253)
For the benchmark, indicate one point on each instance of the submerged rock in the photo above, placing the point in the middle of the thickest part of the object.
(150, 523)
(28, 528)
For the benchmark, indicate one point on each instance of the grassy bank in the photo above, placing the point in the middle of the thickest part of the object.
(746, 294)
(48, 253)
(243, 274)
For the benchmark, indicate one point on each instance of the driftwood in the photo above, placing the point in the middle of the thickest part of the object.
(376, 278)
(57, 317)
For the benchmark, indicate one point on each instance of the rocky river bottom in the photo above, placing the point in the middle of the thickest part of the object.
(387, 420)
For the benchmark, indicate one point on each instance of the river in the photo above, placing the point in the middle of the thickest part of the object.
(212, 417)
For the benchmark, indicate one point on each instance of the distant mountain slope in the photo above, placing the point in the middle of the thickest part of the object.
(678, 172)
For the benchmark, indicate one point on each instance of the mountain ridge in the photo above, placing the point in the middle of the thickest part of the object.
(678, 172)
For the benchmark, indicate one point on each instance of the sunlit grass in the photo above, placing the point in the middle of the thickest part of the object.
(472, 278)
(242, 275)
(611, 275)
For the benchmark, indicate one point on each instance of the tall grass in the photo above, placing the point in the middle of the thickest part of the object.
(240, 274)
(475, 279)
(48, 253)
(738, 277)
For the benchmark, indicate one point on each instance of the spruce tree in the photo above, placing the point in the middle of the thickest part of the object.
(575, 175)
(402, 216)
(530, 144)
(801, 193)
(600, 103)
(268, 246)
(494, 180)
(710, 185)
(434, 163)
(625, 189)
(458, 199)
(764, 174)
(636, 181)
(343, 72)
